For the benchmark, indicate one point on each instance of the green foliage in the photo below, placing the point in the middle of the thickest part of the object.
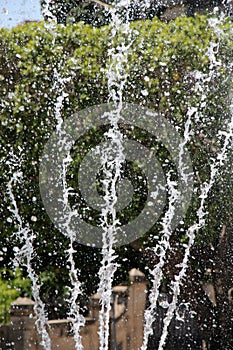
(162, 62)
(73, 11)
(96, 12)
(12, 285)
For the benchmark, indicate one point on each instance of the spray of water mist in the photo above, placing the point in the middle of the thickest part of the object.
(24, 254)
(112, 159)
(163, 246)
(215, 169)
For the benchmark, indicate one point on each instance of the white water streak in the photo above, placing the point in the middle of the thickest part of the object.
(205, 189)
(157, 272)
(24, 257)
(160, 250)
(191, 233)
(78, 320)
(59, 84)
(109, 223)
(163, 244)
(112, 159)
(52, 21)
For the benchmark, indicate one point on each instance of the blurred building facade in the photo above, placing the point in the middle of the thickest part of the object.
(126, 321)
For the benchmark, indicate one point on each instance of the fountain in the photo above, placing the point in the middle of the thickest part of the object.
(153, 146)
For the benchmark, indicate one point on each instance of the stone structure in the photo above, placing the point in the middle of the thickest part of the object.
(127, 318)
(21, 333)
(126, 322)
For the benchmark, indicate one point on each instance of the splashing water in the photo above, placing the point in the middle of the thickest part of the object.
(192, 230)
(75, 316)
(59, 85)
(163, 246)
(112, 159)
(25, 254)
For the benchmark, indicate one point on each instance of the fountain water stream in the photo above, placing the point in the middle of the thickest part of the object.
(112, 158)
(163, 246)
(25, 254)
